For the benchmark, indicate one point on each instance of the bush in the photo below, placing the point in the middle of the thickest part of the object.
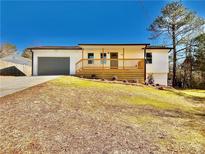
(93, 76)
(134, 81)
(150, 79)
(160, 88)
(201, 85)
(114, 78)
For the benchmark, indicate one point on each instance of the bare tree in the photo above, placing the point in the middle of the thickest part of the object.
(27, 54)
(7, 49)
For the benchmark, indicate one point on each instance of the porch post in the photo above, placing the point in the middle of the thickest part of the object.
(145, 63)
(103, 57)
(123, 58)
(82, 57)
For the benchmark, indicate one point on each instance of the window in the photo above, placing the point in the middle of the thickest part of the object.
(90, 58)
(149, 58)
(103, 58)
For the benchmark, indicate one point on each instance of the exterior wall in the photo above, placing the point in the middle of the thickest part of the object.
(159, 61)
(159, 67)
(160, 78)
(75, 56)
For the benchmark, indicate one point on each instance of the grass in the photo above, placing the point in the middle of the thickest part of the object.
(194, 93)
(75, 115)
(140, 95)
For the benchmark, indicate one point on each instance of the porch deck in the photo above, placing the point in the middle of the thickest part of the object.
(124, 69)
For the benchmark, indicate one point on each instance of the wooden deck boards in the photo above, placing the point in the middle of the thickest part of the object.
(122, 74)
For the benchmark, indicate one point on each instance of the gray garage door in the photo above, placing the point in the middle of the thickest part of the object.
(53, 65)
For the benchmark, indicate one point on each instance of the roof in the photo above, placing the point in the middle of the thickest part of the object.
(119, 44)
(79, 48)
(157, 47)
(17, 59)
(57, 47)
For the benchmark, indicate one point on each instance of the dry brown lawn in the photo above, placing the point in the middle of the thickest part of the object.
(72, 115)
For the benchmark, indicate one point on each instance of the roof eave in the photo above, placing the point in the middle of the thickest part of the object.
(53, 48)
(159, 48)
(115, 44)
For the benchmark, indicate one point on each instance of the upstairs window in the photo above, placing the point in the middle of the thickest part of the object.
(149, 58)
(103, 58)
(90, 58)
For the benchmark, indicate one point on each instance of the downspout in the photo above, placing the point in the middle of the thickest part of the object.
(31, 62)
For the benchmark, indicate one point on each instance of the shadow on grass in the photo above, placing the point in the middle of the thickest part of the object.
(194, 99)
(200, 114)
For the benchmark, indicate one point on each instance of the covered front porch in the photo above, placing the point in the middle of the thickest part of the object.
(127, 63)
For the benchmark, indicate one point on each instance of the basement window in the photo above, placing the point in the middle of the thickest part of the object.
(149, 58)
(90, 58)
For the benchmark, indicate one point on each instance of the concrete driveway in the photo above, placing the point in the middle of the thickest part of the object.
(9, 85)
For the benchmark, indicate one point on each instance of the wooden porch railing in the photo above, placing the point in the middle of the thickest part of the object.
(126, 63)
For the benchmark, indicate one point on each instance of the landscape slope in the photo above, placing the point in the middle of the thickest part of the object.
(69, 114)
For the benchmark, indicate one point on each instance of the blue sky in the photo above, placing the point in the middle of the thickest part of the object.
(34, 23)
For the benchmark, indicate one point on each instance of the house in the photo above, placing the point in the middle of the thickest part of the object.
(126, 61)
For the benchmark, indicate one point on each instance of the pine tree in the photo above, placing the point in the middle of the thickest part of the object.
(177, 23)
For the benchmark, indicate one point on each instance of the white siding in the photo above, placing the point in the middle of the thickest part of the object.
(160, 78)
(159, 61)
(160, 65)
(75, 56)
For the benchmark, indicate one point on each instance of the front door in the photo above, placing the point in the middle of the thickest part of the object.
(114, 60)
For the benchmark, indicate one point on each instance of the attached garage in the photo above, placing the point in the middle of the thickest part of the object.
(53, 65)
(55, 60)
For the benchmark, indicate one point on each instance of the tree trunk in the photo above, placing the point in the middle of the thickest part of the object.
(174, 56)
(191, 64)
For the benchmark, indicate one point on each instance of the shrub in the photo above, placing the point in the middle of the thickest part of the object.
(114, 78)
(134, 81)
(93, 76)
(160, 88)
(150, 79)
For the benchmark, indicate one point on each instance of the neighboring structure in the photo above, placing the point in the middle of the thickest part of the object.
(126, 61)
(17, 59)
(15, 65)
